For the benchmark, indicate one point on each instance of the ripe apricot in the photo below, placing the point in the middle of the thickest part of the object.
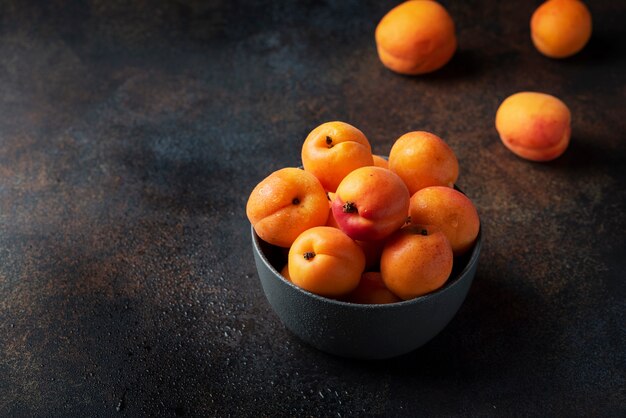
(422, 159)
(380, 162)
(371, 203)
(372, 251)
(534, 126)
(325, 261)
(449, 210)
(416, 260)
(416, 37)
(334, 149)
(372, 291)
(285, 272)
(286, 203)
(331, 218)
(560, 28)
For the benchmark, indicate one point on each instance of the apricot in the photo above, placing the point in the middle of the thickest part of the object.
(334, 149)
(285, 272)
(372, 251)
(416, 260)
(422, 159)
(371, 203)
(560, 28)
(286, 203)
(380, 162)
(449, 210)
(416, 37)
(325, 261)
(372, 291)
(534, 126)
(331, 218)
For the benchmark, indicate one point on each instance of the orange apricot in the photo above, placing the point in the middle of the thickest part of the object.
(380, 162)
(560, 28)
(285, 272)
(416, 260)
(422, 159)
(416, 37)
(286, 203)
(372, 291)
(372, 250)
(334, 149)
(325, 261)
(534, 126)
(449, 210)
(331, 218)
(371, 203)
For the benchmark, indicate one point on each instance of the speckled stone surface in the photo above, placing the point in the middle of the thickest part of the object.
(132, 132)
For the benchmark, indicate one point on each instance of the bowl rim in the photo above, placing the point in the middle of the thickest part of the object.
(475, 252)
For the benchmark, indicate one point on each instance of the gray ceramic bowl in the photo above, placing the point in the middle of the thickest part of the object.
(362, 331)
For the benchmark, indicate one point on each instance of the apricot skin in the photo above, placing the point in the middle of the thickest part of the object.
(333, 150)
(372, 291)
(286, 203)
(534, 126)
(380, 162)
(560, 28)
(372, 251)
(451, 211)
(379, 200)
(416, 260)
(331, 218)
(416, 37)
(325, 261)
(422, 159)
(285, 272)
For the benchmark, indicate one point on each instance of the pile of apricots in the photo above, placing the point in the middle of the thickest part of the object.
(418, 37)
(362, 228)
(365, 229)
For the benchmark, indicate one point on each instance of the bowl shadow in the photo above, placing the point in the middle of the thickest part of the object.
(494, 330)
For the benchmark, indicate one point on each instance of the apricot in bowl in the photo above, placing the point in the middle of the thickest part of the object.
(355, 330)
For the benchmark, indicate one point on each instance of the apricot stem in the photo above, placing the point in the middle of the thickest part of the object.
(424, 232)
(295, 201)
(329, 141)
(309, 255)
(349, 207)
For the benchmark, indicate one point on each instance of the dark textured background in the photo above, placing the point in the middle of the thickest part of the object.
(132, 132)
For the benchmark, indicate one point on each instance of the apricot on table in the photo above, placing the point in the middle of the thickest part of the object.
(560, 28)
(286, 203)
(449, 210)
(325, 261)
(371, 203)
(423, 159)
(534, 126)
(416, 37)
(416, 260)
(334, 149)
(372, 291)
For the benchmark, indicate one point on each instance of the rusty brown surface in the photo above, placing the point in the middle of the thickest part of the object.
(132, 133)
